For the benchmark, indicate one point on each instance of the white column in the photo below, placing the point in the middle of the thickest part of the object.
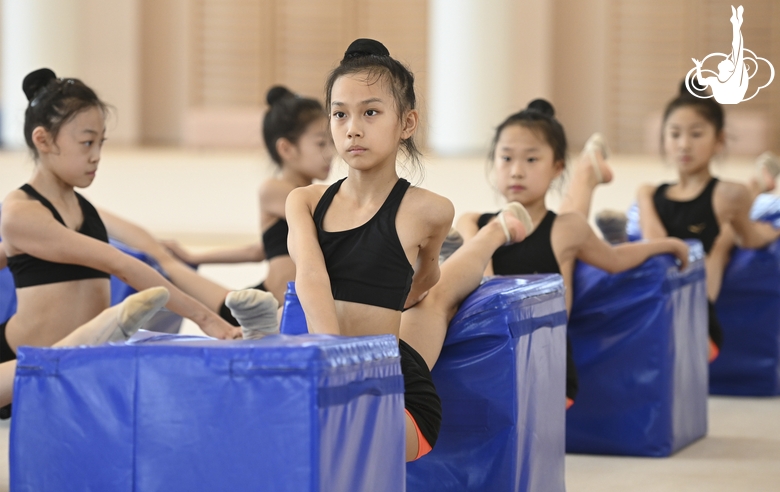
(470, 55)
(36, 33)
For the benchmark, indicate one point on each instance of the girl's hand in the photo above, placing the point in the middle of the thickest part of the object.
(697, 62)
(180, 252)
(412, 302)
(216, 327)
(679, 249)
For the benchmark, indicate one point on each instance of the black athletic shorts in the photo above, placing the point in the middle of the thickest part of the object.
(420, 397)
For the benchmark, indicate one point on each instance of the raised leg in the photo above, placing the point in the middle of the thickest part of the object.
(424, 326)
(590, 170)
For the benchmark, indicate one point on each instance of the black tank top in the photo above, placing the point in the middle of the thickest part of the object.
(694, 219)
(532, 255)
(275, 240)
(28, 270)
(367, 264)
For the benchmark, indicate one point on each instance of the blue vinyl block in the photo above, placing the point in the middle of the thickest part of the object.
(306, 413)
(501, 377)
(293, 320)
(639, 340)
(748, 309)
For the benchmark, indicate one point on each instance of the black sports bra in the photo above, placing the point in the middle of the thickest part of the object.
(692, 219)
(28, 270)
(367, 264)
(275, 240)
(532, 255)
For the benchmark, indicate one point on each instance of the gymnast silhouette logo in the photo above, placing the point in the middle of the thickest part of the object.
(730, 84)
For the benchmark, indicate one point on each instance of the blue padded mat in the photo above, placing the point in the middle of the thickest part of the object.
(307, 413)
(748, 309)
(501, 377)
(640, 346)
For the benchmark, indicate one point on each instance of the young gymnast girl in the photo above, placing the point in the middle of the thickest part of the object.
(367, 246)
(529, 153)
(295, 131)
(699, 205)
(54, 239)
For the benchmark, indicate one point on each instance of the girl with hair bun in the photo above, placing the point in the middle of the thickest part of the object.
(366, 248)
(528, 154)
(295, 132)
(55, 240)
(700, 206)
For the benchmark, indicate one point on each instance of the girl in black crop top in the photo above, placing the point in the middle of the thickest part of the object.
(295, 131)
(529, 153)
(698, 205)
(55, 240)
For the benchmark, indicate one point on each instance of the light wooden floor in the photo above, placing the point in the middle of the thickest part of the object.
(207, 198)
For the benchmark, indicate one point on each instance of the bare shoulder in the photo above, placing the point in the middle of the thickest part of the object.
(729, 197)
(307, 195)
(729, 190)
(275, 189)
(18, 206)
(646, 189)
(437, 209)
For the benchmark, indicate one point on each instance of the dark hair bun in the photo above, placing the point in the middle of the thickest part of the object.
(277, 93)
(365, 47)
(35, 81)
(542, 106)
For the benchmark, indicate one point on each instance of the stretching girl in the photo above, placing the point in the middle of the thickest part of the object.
(295, 131)
(355, 242)
(529, 153)
(55, 241)
(699, 206)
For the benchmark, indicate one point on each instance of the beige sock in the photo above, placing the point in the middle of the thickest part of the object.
(255, 311)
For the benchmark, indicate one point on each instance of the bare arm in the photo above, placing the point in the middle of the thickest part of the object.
(311, 278)
(426, 272)
(649, 221)
(244, 254)
(139, 238)
(614, 259)
(3, 257)
(35, 232)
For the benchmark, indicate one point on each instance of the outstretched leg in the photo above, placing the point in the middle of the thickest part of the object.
(590, 170)
(115, 323)
(424, 326)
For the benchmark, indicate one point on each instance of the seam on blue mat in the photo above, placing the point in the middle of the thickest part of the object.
(133, 484)
(314, 441)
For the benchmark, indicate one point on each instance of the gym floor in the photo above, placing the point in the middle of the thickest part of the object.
(208, 198)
